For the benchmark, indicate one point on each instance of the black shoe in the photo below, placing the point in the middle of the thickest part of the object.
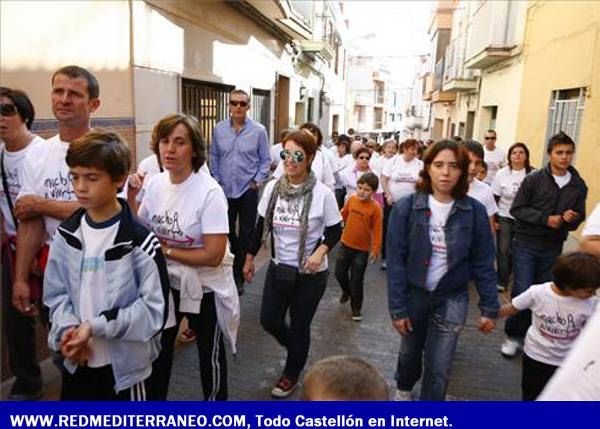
(344, 298)
(239, 284)
(356, 316)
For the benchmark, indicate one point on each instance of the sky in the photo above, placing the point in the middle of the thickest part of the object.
(399, 29)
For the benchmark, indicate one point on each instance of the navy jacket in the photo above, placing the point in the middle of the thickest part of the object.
(471, 253)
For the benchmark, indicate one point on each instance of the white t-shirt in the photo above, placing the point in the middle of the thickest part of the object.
(556, 321)
(46, 175)
(438, 265)
(320, 166)
(562, 181)
(180, 214)
(275, 152)
(348, 177)
(403, 176)
(483, 193)
(578, 378)
(592, 224)
(495, 160)
(13, 169)
(323, 213)
(505, 185)
(97, 238)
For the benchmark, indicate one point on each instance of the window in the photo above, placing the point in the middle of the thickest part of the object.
(311, 109)
(261, 107)
(566, 110)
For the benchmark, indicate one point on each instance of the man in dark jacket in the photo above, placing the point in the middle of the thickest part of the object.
(549, 203)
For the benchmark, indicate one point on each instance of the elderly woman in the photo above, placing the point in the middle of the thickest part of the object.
(187, 210)
(350, 175)
(301, 215)
(438, 240)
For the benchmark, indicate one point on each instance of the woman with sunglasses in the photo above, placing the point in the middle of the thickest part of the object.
(16, 116)
(349, 176)
(504, 187)
(301, 216)
(439, 240)
(187, 210)
(324, 162)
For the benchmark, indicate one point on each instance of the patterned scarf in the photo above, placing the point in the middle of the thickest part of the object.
(284, 189)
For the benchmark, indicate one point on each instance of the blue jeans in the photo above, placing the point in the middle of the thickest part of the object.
(531, 265)
(436, 323)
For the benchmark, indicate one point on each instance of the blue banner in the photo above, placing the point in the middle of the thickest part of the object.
(276, 415)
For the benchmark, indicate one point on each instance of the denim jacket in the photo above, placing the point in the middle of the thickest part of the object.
(137, 286)
(471, 253)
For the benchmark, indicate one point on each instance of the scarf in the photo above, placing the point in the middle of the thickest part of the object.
(284, 189)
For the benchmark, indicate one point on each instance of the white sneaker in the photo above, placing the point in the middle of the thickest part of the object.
(510, 347)
(403, 395)
(383, 265)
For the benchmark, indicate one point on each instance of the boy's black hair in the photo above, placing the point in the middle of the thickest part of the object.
(105, 151)
(577, 270)
(474, 147)
(560, 138)
(369, 179)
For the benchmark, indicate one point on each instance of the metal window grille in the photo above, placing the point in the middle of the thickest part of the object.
(566, 110)
(261, 108)
(207, 101)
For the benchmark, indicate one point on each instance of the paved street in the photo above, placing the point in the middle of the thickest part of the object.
(479, 372)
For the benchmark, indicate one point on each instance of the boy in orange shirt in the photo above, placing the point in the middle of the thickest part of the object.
(363, 230)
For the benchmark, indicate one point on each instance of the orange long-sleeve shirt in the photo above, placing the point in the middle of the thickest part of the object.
(364, 225)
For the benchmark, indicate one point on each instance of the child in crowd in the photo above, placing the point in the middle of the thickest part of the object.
(106, 281)
(362, 233)
(344, 378)
(559, 310)
(483, 171)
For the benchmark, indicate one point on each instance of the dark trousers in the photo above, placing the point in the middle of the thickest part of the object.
(531, 265)
(535, 377)
(97, 384)
(301, 300)
(21, 339)
(340, 197)
(242, 213)
(437, 323)
(505, 237)
(350, 268)
(211, 352)
(387, 211)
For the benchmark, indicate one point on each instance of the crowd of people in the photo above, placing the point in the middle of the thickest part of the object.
(113, 262)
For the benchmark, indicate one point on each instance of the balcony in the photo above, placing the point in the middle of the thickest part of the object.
(494, 34)
(413, 122)
(439, 95)
(317, 48)
(427, 86)
(456, 78)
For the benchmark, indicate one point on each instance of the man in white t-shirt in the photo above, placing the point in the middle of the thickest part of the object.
(591, 233)
(479, 190)
(47, 196)
(494, 157)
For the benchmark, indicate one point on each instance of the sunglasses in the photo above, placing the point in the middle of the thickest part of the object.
(296, 156)
(364, 157)
(238, 103)
(490, 138)
(8, 109)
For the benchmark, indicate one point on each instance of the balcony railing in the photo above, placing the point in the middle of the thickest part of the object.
(438, 75)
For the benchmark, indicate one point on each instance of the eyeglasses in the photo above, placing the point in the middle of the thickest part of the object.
(238, 103)
(8, 109)
(364, 157)
(490, 138)
(296, 156)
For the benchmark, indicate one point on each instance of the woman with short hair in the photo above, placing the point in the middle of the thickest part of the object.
(302, 218)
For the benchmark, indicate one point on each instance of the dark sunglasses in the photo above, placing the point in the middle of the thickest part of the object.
(490, 138)
(8, 109)
(296, 156)
(238, 103)
(364, 157)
